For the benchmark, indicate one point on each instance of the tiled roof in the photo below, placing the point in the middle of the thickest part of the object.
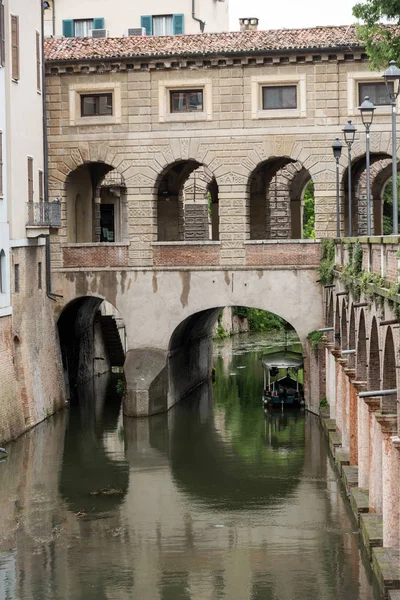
(202, 44)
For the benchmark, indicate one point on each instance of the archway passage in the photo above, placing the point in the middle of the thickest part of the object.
(389, 403)
(374, 371)
(361, 350)
(92, 340)
(96, 204)
(187, 203)
(276, 200)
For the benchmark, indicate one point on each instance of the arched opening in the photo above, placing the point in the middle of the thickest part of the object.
(389, 403)
(386, 193)
(343, 324)
(96, 204)
(352, 338)
(92, 341)
(276, 196)
(187, 203)
(374, 369)
(361, 372)
(3, 286)
(337, 324)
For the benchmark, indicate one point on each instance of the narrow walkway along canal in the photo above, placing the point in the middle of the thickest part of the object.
(214, 500)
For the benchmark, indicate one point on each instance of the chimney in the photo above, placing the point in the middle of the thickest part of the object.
(248, 24)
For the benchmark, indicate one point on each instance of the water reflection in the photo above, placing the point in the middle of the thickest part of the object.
(214, 500)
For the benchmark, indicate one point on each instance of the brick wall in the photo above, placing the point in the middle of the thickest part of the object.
(95, 255)
(192, 255)
(376, 259)
(283, 254)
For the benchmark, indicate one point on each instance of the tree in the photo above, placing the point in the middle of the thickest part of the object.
(382, 41)
(309, 212)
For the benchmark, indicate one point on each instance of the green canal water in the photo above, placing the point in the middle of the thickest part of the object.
(214, 500)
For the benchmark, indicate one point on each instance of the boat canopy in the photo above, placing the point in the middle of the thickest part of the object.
(282, 360)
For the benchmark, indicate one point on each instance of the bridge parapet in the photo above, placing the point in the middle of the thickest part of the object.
(381, 255)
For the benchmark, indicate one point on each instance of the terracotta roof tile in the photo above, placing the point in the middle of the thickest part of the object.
(202, 44)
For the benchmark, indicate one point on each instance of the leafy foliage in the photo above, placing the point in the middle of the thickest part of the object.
(260, 320)
(315, 337)
(327, 265)
(381, 42)
(388, 207)
(309, 212)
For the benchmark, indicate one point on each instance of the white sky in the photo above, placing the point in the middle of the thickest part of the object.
(289, 14)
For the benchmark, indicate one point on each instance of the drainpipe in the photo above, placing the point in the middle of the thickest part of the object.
(54, 17)
(44, 6)
(202, 23)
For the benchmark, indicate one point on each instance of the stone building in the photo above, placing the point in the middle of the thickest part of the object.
(123, 17)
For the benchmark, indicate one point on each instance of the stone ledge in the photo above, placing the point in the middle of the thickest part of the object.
(335, 440)
(329, 425)
(359, 502)
(371, 528)
(386, 566)
(283, 241)
(394, 595)
(94, 244)
(342, 458)
(350, 477)
(188, 243)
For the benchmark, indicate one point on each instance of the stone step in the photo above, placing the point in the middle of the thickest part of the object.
(329, 425)
(335, 440)
(371, 528)
(386, 566)
(359, 502)
(350, 477)
(342, 458)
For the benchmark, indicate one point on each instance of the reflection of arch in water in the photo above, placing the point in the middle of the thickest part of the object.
(87, 468)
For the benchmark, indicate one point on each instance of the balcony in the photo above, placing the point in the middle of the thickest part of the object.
(42, 216)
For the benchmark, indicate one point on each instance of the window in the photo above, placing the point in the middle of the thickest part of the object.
(2, 272)
(41, 187)
(30, 179)
(83, 28)
(376, 91)
(163, 24)
(186, 101)
(279, 97)
(38, 63)
(39, 270)
(15, 47)
(2, 36)
(1, 163)
(95, 105)
(16, 278)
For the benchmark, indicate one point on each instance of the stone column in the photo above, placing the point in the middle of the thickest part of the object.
(325, 203)
(390, 481)
(96, 219)
(142, 219)
(196, 220)
(340, 393)
(331, 381)
(363, 439)
(375, 466)
(234, 218)
(353, 416)
(146, 375)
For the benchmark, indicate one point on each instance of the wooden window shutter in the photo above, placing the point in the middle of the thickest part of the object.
(38, 63)
(98, 23)
(15, 47)
(30, 179)
(41, 188)
(2, 36)
(68, 28)
(178, 24)
(147, 23)
(1, 163)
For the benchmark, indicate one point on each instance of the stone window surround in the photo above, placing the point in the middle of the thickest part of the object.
(259, 81)
(164, 108)
(75, 92)
(353, 79)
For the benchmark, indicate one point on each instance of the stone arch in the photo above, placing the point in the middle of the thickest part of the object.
(352, 338)
(361, 366)
(389, 403)
(186, 195)
(92, 340)
(374, 369)
(343, 327)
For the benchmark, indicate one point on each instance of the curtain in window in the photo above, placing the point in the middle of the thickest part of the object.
(162, 25)
(84, 28)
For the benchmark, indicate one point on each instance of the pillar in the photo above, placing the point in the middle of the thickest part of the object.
(375, 467)
(390, 481)
(146, 375)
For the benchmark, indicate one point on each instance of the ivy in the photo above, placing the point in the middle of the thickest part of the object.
(315, 337)
(327, 265)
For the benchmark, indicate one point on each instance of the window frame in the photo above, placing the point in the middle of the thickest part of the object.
(278, 87)
(187, 93)
(97, 97)
(2, 35)
(353, 80)
(258, 82)
(30, 179)
(165, 87)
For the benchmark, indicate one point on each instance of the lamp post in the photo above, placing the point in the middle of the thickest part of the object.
(367, 109)
(392, 80)
(337, 151)
(349, 132)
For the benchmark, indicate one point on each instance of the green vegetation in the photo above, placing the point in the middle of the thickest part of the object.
(309, 212)
(388, 207)
(327, 265)
(324, 402)
(315, 337)
(221, 333)
(260, 320)
(382, 45)
(120, 387)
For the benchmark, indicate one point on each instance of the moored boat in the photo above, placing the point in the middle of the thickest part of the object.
(282, 386)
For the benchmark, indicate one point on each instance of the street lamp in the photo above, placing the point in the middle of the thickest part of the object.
(392, 80)
(367, 109)
(337, 151)
(349, 132)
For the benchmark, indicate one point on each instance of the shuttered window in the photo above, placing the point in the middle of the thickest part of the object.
(1, 163)
(163, 24)
(2, 36)
(41, 187)
(30, 179)
(38, 63)
(15, 47)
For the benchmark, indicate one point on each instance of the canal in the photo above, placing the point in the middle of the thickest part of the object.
(212, 501)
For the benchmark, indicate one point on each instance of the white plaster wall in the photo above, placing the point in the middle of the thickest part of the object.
(120, 15)
(4, 227)
(24, 115)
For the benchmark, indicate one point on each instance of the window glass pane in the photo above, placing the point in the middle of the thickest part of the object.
(195, 101)
(376, 91)
(88, 106)
(162, 25)
(178, 101)
(105, 104)
(279, 97)
(83, 28)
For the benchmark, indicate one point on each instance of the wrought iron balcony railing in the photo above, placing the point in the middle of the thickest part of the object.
(44, 214)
